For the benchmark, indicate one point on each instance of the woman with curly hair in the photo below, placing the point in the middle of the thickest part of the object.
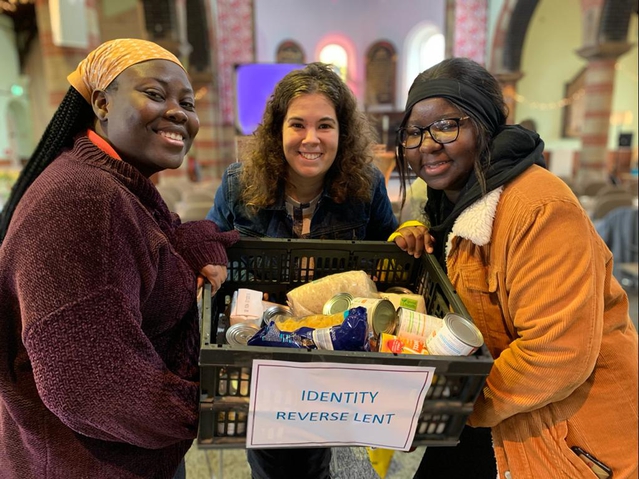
(308, 170)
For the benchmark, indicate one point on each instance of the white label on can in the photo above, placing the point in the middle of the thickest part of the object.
(322, 338)
(414, 325)
(444, 342)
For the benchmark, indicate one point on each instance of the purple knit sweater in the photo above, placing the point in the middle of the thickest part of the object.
(99, 332)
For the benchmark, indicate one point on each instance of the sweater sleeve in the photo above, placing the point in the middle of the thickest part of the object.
(85, 262)
(201, 243)
(96, 370)
(554, 289)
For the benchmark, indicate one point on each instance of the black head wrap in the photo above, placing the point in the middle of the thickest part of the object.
(467, 97)
(513, 149)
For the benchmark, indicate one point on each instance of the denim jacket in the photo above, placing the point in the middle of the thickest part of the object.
(353, 220)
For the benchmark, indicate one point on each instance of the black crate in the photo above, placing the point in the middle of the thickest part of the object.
(276, 266)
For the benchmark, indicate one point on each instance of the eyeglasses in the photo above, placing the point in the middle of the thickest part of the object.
(441, 131)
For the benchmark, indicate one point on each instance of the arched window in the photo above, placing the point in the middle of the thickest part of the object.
(335, 55)
(290, 52)
(425, 46)
(380, 74)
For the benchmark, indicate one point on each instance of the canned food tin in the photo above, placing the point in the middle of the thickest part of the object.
(240, 333)
(338, 303)
(416, 326)
(398, 290)
(279, 310)
(457, 337)
(382, 317)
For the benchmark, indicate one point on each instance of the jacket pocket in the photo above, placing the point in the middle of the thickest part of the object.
(533, 445)
(479, 293)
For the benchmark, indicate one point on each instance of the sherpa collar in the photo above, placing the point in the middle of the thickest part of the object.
(475, 223)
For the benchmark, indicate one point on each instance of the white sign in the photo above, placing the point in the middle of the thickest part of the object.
(330, 404)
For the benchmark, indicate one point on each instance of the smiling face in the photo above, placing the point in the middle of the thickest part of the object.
(310, 137)
(148, 115)
(443, 167)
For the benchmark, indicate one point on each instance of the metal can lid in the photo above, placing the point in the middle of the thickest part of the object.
(338, 303)
(273, 310)
(240, 333)
(384, 317)
(464, 329)
(398, 290)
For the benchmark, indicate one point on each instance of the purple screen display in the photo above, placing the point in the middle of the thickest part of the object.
(254, 85)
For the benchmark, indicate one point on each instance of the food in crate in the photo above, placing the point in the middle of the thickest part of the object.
(331, 323)
(389, 343)
(350, 335)
(310, 298)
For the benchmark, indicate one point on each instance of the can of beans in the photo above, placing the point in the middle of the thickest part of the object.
(457, 337)
(240, 333)
(338, 303)
(416, 326)
(381, 314)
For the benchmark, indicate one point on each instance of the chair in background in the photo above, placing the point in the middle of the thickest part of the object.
(610, 202)
(632, 187)
(610, 190)
(592, 187)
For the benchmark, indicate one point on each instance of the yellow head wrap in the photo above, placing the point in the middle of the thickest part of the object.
(102, 65)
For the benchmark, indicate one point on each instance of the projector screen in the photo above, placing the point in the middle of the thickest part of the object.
(254, 85)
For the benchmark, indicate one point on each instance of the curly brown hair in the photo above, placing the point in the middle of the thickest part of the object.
(265, 170)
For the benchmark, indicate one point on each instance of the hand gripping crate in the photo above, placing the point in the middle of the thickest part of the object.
(276, 266)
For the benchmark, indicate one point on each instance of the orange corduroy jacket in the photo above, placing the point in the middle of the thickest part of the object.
(537, 280)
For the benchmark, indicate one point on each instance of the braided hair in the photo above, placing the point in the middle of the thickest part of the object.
(72, 116)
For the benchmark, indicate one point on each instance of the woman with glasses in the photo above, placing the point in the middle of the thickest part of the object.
(561, 398)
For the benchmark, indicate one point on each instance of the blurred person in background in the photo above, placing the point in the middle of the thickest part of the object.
(98, 280)
(561, 398)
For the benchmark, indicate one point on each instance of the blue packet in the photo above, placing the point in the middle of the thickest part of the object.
(351, 335)
(270, 335)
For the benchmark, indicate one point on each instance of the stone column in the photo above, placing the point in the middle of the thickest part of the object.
(599, 83)
(180, 24)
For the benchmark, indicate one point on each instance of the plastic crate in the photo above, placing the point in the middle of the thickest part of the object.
(276, 266)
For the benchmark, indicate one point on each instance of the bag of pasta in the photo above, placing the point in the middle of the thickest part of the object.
(310, 298)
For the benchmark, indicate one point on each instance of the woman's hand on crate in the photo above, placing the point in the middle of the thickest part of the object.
(414, 239)
(215, 274)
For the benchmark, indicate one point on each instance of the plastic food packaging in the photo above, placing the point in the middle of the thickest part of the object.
(314, 321)
(270, 335)
(246, 305)
(389, 343)
(350, 335)
(310, 298)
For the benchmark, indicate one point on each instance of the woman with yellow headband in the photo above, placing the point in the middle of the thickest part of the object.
(98, 280)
